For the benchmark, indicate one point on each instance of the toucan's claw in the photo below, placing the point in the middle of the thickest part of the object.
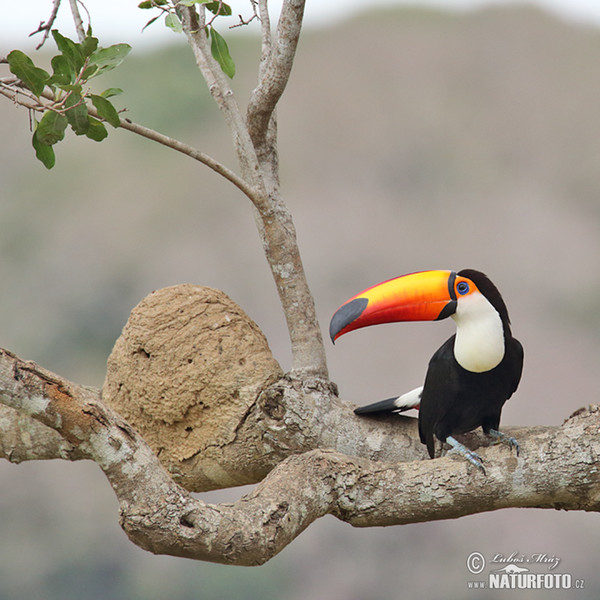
(506, 439)
(472, 457)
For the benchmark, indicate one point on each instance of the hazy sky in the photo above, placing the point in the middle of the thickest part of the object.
(121, 20)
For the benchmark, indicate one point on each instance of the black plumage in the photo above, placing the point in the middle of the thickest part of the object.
(456, 401)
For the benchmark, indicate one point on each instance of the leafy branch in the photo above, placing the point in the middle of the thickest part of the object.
(72, 69)
(62, 95)
(69, 102)
(173, 20)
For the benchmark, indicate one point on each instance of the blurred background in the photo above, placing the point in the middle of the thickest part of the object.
(411, 137)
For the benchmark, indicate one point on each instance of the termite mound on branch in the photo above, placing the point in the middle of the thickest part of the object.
(185, 372)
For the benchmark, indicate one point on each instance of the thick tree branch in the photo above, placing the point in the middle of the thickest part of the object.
(558, 468)
(22, 438)
(286, 418)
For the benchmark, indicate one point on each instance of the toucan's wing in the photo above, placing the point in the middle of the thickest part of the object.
(515, 353)
(441, 389)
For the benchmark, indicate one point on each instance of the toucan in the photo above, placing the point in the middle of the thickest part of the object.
(470, 376)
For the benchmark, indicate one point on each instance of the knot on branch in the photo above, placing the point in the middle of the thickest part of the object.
(585, 412)
(185, 372)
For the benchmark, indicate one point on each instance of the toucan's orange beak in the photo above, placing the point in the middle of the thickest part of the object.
(423, 296)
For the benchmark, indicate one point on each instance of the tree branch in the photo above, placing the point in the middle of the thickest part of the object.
(558, 468)
(266, 40)
(47, 26)
(287, 417)
(192, 152)
(194, 27)
(22, 438)
(22, 97)
(275, 75)
(77, 19)
(259, 166)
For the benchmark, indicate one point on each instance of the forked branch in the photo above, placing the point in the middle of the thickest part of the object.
(256, 148)
(278, 59)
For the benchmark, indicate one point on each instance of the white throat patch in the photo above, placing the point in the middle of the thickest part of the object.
(479, 343)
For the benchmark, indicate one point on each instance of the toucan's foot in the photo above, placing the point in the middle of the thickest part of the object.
(472, 457)
(506, 439)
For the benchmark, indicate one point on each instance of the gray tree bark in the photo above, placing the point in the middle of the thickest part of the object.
(557, 468)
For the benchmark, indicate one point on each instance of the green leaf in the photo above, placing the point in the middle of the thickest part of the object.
(106, 110)
(63, 73)
(152, 4)
(69, 49)
(96, 131)
(172, 22)
(107, 59)
(89, 72)
(51, 128)
(214, 8)
(110, 92)
(77, 115)
(89, 46)
(220, 52)
(71, 87)
(43, 152)
(22, 67)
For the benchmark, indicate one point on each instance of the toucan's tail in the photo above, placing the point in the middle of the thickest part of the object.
(396, 404)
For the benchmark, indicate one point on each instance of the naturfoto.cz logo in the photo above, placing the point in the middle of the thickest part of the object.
(514, 575)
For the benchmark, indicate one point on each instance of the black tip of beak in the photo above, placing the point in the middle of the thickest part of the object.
(345, 315)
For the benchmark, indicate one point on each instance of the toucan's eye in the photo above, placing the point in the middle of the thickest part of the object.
(462, 288)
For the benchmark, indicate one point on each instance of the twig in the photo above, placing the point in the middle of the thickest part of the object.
(27, 101)
(47, 26)
(205, 159)
(243, 21)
